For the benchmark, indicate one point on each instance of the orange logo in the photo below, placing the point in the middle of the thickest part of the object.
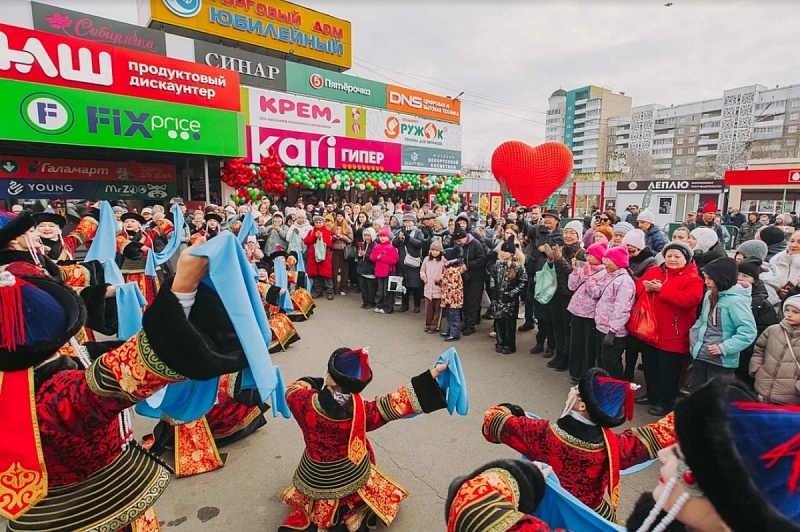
(431, 131)
(392, 129)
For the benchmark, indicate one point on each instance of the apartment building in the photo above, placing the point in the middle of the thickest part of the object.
(579, 118)
(701, 140)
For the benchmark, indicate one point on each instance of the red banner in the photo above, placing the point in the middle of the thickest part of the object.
(769, 176)
(12, 167)
(39, 57)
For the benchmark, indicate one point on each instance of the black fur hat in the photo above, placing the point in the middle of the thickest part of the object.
(12, 226)
(605, 402)
(350, 369)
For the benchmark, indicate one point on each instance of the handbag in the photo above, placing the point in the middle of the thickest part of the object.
(320, 250)
(395, 284)
(349, 252)
(546, 284)
(642, 323)
(411, 261)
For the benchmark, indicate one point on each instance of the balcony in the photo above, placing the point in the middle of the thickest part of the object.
(664, 135)
(705, 153)
(768, 135)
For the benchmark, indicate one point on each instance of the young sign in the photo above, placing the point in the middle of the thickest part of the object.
(67, 189)
(38, 57)
(54, 115)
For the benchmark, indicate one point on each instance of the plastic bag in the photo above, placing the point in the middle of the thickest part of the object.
(642, 323)
(546, 284)
(320, 250)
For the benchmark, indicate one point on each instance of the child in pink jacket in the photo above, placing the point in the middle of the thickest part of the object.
(431, 273)
(583, 281)
(615, 294)
(385, 256)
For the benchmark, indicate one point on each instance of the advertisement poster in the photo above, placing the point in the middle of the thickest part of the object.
(54, 115)
(484, 204)
(321, 83)
(430, 160)
(411, 130)
(274, 25)
(496, 204)
(418, 103)
(256, 70)
(56, 60)
(315, 150)
(291, 112)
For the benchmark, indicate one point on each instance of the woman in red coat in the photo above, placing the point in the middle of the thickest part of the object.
(321, 272)
(677, 289)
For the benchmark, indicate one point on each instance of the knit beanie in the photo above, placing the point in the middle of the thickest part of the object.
(598, 250)
(371, 232)
(754, 249)
(706, 238)
(408, 217)
(622, 228)
(723, 272)
(683, 247)
(436, 244)
(751, 267)
(385, 232)
(619, 256)
(604, 230)
(793, 301)
(443, 219)
(576, 226)
(459, 233)
(509, 246)
(635, 238)
(772, 235)
(646, 216)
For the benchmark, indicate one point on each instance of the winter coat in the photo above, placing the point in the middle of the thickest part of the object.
(775, 249)
(505, 292)
(275, 239)
(785, 269)
(302, 232)
(747, 231)
(655, 239)
(538, 236)
(475, 261)
(641, 263)
(314, 268)
(431, 271)
(582, 282)
(738, 324)
(453, 285)
(675, 306)
(701, 258)
(615, 293)
(366, 267)
(444, 234)
(763, 312)
(776, 371)
(345, 237)
(412, 245)
(385, 257)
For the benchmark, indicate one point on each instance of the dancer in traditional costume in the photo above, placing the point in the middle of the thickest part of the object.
(64, 462)
(283, 330)
(134, 244)
(337, 485)
(584, 452)
(302, 301)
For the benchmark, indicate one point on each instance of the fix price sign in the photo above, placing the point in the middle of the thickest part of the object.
(39, 57)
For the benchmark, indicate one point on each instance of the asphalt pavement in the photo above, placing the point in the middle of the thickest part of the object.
(423, 454)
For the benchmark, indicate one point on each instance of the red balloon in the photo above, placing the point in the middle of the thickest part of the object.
(530, 174)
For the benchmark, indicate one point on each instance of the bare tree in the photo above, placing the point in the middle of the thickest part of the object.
(634, 166)
(481, 161)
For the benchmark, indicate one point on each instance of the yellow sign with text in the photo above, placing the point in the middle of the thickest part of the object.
(271, 24)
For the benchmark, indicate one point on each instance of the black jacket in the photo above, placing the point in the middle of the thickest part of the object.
(539, 236)
(475, 261)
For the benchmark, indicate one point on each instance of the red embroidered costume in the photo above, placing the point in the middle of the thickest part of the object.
(134, 245)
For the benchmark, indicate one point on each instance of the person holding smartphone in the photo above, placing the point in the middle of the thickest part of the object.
(277, 235)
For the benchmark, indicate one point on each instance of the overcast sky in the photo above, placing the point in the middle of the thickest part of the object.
(509, 56)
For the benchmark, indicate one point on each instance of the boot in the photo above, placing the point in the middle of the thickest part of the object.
(537, 349)
(403, 308)
(560, 362)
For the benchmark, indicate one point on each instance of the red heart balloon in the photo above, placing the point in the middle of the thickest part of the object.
(531, 175)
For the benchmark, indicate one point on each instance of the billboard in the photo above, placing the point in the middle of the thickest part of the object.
(98, 29)
(420, 160)
(418, 103)
(295, 148)
(255, 70)
(413, 130)
(321, 83)
(295, 113)
(277, 25)
(38, 57)
(43, 178)
(55, 115)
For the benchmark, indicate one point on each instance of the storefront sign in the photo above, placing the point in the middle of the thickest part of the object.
(295, 148)
(772, 176)
(55, 115)
(671, 185)
(98, 29)
(321, 83)
(412, 130)
(69, 189)
(423, 160)
(295, 113)
(276, 25)
(422, 104)
(254, 69)
(38, 57)
(24, 168)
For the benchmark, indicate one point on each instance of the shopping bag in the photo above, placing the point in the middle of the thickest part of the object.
(642, 323)
(546, 284)
(320, 250)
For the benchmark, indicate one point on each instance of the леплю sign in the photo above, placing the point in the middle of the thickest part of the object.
(38, 57)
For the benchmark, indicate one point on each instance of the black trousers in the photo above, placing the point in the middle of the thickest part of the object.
(662, 373)
(561, 327)
(633, 347)
(473, 291)
(369, 289)
(544, 324)
(417, 295)
(582, 347)
(506, 329)
(385, 297)
(528, 295)
(611, 355)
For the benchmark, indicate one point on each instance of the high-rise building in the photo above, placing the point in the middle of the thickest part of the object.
(579, 118)
(701, 140)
